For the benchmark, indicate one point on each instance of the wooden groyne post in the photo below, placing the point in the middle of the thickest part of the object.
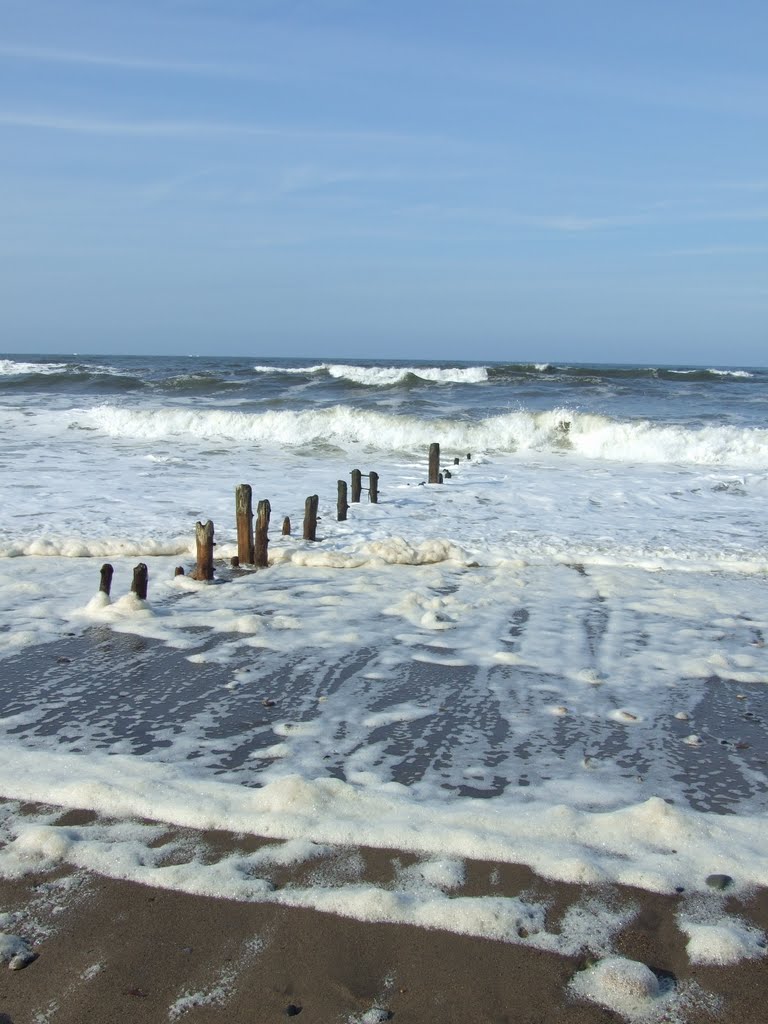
(342, 506)
(140, 581)
(204, 540)
(287, 526)
(357, 486)
(373, 487)
(310, 517)
(244, 519)
(434, 463)
(263, 512)
(106, 578)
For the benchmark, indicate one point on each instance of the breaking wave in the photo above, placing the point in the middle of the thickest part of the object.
(14, 368)
(560, 430)
(385, 376)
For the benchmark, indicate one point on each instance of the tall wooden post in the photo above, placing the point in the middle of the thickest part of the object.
(342, 506)
(434, 463)
(204, 540)
(106, 578)
(139, 584)
(263, 512)
(287, 526)
(244, 518)
(357, 485)
(373, 487)
(310, 518)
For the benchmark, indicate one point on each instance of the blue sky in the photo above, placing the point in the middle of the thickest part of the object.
(497, 180)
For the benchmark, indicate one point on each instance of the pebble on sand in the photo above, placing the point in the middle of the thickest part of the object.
(21, 960)
(719, 881)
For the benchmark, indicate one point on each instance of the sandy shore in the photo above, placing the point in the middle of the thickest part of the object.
(109, 950)
(113, 950)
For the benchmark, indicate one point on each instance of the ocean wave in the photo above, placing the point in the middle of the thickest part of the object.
(599, 372)
(382, 376)
(591, 436)
(730, 373)
(14, 368)
(291, 370)
(386, 376)
(204, 383)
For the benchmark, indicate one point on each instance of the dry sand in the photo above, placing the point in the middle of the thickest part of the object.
(118, 951)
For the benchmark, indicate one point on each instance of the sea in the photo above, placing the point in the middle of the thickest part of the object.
(555, 657)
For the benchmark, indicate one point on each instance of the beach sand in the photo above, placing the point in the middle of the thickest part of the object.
(110, 950)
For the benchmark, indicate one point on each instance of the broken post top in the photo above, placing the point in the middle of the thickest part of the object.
(243, 499)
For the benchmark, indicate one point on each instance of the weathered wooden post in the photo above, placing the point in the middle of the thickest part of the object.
(342, 506)
(310, 517)
(456, 461)
(263, 512)
(179, 570)
(357, 486)
(106, 578)
(469, 455)
(139, 584)
(244, 518)
(373, 487)
(434, 463)
(287, 527)
(204, 540)
(439, 478)
(447, 474)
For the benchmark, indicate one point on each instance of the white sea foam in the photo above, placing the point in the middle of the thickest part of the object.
(627, 987)
(108, 547)
(588, 435)
(627, 845)
(724, 941)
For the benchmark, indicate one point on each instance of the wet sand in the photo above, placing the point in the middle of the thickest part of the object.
(109, 950)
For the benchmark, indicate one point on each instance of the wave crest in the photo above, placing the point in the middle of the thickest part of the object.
(567, 432)
(385, 376)
(15, 368)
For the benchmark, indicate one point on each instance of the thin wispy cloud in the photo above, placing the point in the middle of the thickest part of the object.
(179, 129)
(723, 250)
(130, 63)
